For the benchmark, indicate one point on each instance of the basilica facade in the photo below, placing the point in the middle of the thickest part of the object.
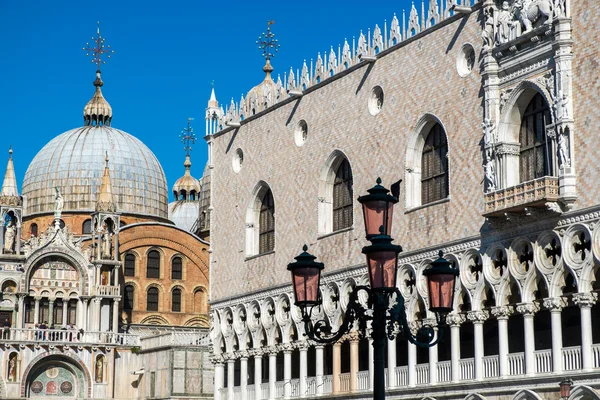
(488, 112)
(104, 285)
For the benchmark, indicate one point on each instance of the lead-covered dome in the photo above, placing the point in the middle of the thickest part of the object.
(75, 161)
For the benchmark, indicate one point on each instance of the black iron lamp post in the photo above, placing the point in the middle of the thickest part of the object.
(385, 302)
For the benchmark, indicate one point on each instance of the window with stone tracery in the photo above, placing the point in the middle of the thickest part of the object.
(266, 235)
(434, 166)
(535, 153)
(342, 197)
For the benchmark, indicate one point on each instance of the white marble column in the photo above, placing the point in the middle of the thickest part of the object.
(354, 362)
(477, 318)
(502, 313)
(391, 356)
(528, 310)
(36, 312)
(22, 311)
(272, 372)
(219, 376)
(257, 353)
(287, 370)
(303, 349)
(337, 368)
(84, 314)
(555, 305)
(454, 320)
(412, 364)
(319, 359)
(433, 355)
(115, 316)
(585, 301)
(50, 313)
(371, 360)
(65, 303)
(230, 376)
(244, 374)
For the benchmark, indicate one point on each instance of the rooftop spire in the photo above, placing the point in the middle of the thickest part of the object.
(188, 137)
(212, 102)
(97, 111)
(269, 46)
(187, 187)
(9, 194)
(105, 198)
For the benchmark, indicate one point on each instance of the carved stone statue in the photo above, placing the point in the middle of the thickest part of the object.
(58, 201)
(559, 8)
(563, 155)
(488, 29)
(530, 11)
(561, 106)
(505, 24)
(490, 174)
(9, 237)
(106, 243)
(12, 368)
(99, 370)
(488, 132)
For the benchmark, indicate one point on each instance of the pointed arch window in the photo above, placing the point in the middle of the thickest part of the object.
(152, 299)
(535, 153)
(176, 268)
(342, 197)
(176, 300)
(129, 269)
(266, 234)
(153, 265)
(434, 166)
(128, 298)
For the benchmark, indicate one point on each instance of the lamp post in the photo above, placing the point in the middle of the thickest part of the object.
(565, 388)
(388, 316)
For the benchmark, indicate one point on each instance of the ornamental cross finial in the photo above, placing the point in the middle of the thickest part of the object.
(267, 42)
(188, 137)
(98, 50)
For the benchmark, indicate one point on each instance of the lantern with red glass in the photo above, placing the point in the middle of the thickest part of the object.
(378, 210)
(306, 277)
(565, 388)
(382, 261)
(441, 279)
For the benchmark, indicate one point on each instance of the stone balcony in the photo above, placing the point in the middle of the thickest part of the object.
(107, 290)
(66, 337)
(535, 193)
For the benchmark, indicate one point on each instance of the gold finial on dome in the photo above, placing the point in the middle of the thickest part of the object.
(105, 200)
(269, 46)
(97, 111)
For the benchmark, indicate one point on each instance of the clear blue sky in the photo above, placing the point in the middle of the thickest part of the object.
(166, 55)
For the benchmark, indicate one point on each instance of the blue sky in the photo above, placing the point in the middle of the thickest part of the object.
(166, 55)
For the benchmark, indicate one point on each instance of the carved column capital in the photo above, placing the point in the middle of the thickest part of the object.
(455, 319)
(242, 354)
(302, 345)
(477, 316)
(584, 300)
(217, 358)
(255, 352)
(502, 312)
(555, 303)
(272, 351)
(286, 347)
(527, 309)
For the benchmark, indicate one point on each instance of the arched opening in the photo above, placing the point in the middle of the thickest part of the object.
(536, 148)
(153, 264)
(152, 299)
(56, 375)
(192, 195)
(33, 229)
(266, 233)
(176, 268)
(336, 195)
(176, 300)
(99, 369)
(200, 301)
(129, 267)
(86, 227)
(128, 296)
(260, 221)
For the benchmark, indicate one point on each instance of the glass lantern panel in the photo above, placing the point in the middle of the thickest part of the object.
(306, 284)
(441, 291)
(382, 269)
(375, 213)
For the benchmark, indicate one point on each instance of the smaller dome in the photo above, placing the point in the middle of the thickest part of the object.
(184, 214)
(263, 95)
(187, 187)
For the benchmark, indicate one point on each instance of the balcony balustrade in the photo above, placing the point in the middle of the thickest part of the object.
(533, 193)
(106, 290)
(68, 337)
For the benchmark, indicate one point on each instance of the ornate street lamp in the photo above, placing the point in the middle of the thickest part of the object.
(565, 388)
(382, 262)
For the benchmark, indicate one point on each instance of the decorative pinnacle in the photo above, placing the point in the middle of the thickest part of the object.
(106, 159)
(441, 253)
(10, 151)
(269, 46)
(188, 137)
(305, 248)
(98, 50)
(378, 181)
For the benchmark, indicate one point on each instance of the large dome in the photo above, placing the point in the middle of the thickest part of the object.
(74, 162)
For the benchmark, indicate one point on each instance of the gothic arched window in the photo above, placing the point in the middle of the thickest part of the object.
(176, 268)
(152, 299)
(342, 197)
(266, 233)
(176, 300)
(128, 297)
(153, 265)
(434, 166)
(129, 269)
(535, 155)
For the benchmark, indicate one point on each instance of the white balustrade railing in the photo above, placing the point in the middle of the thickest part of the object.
(444, 371)
(422, 374)
(175, 339)
(250, 389)
(311, 386)
(467, 369)
(490, 367)
(279, 389)
(571, 358)
(73, 336)
(295, 387)
(237, 393)
(105, 290)
(596, 352)
(264, 390)
(344, 382)
(543, 361)
(515, 364)
(327, 387)
(402, 376)
(362, 380)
